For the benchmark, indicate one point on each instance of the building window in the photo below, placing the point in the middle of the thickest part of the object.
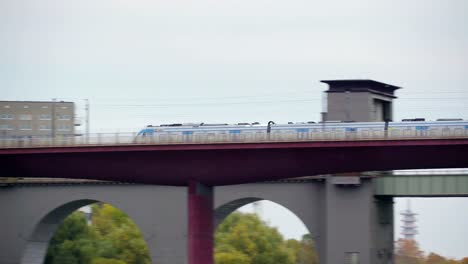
(64, 107)
(6, 116)
(45, 117)
(6, 106)
(6, 127)
(26, 106)
(352, 258)
(44, 127)
(64, 117)
(45, 106)
(25, 117)
(25, 127)
(64, 128)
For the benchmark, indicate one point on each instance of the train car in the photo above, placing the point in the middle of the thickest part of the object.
(253, 132)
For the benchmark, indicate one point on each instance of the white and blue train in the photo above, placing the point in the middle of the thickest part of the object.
(251, 132)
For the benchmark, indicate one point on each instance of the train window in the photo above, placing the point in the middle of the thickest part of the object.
(407, 132)
(458, 132)
(302, 130)
(433, 132)
(421, 128)
(395, 132)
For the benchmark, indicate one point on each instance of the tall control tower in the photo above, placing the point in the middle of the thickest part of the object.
(408, 228)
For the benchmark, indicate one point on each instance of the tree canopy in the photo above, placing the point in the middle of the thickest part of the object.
(111, 238)
(245, 238)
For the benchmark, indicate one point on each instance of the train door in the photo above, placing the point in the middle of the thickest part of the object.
(187, 136)
(422, 131)
(350, 133)
(302, 133)
(234, 135)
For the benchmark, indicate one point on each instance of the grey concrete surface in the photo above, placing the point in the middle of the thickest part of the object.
(31, 214)
(342, 220)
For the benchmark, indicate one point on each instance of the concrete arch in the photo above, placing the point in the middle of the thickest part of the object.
(37, 245)
(341, 219)
(34, 213)
(223, 211)
(302, 199)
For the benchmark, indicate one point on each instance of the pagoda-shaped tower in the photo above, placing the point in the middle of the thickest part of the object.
(409, 228)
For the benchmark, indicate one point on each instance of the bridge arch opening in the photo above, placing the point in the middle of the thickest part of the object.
(253, 229)
(86, 231)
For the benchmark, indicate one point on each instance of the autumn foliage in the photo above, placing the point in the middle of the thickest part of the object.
(407, 252)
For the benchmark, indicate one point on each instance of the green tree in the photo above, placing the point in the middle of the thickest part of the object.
(72, 242)
(308, 253)
(107, 261)
(119, 237)
(303, 251)
(244, 238)
(231, 257)
(112, 238)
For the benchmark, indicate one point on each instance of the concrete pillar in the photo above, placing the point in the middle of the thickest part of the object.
(383, 230)
(358, 227)
(200, 223)
(347, 223)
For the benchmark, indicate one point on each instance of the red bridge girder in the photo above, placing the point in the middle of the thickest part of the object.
(223, 164)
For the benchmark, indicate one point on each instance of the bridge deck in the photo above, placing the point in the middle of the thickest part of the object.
(221, 164)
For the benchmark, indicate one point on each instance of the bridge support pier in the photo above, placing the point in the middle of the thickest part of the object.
(356, 226)
(200, 223)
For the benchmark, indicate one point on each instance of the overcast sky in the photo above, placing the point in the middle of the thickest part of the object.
(143, 62)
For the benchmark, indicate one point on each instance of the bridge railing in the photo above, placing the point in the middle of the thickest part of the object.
(177, 138)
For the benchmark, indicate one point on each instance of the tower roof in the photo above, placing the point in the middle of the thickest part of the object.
(361, 85)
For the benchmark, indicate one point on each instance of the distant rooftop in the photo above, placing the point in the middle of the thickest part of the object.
(360, 85)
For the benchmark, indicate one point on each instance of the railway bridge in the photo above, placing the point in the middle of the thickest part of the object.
(341, 218)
